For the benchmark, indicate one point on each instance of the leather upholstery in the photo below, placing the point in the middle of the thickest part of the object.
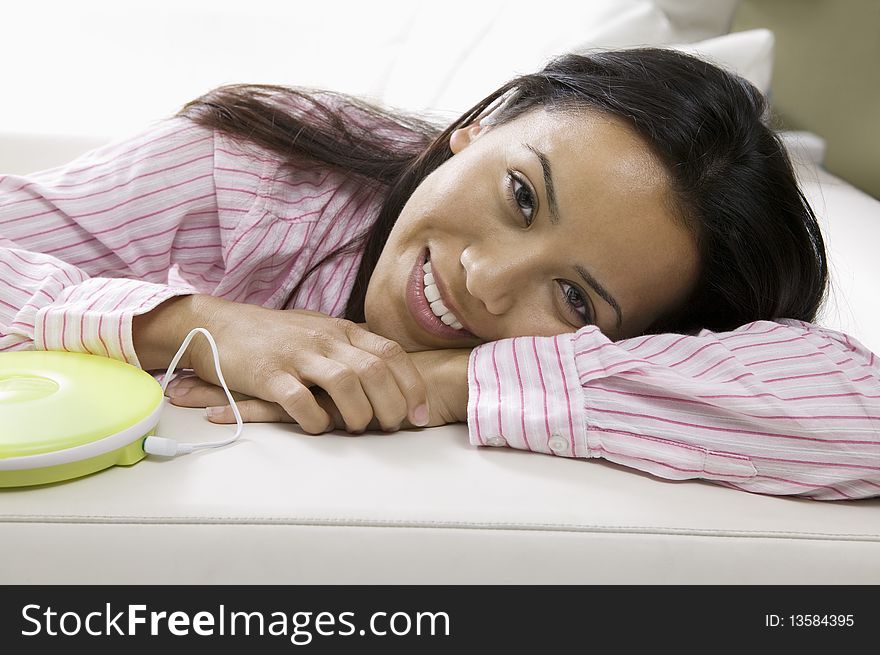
(424, 506)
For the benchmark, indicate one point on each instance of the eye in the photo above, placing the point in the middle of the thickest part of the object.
(521, 196)
(576, 301)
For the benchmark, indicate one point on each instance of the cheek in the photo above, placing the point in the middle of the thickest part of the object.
(457, 194)
(534, 319)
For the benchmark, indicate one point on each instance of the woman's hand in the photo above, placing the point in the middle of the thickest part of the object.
(276, 356)
(444, 371)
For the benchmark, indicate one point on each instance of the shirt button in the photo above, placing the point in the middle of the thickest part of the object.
(496, 441)
(558, 444)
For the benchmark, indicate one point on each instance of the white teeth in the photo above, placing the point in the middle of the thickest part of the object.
(432, 293)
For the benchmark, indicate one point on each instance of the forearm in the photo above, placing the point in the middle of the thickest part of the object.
(49, 304)
(157, 334)
(742, 408)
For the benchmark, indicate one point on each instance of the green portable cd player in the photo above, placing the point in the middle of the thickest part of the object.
(64, 415)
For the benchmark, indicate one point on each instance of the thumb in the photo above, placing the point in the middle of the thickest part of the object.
(255, 410)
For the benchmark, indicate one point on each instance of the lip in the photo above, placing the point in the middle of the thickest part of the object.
(420, 309)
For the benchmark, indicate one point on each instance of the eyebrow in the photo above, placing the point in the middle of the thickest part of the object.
(554, 219)
(548, 183)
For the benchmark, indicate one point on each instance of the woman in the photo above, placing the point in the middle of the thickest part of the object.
(609, 258)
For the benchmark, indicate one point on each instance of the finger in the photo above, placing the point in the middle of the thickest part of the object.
(343, 385)
(327, 403)
(379, 384)
(195, 392)
(298, 401)
(409, 380)
(255, 410)
(176, 377)
(262, 411)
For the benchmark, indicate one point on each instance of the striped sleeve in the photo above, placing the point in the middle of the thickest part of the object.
(785, 408)
(87, 246)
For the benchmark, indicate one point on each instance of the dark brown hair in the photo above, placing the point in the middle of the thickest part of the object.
(762, 255)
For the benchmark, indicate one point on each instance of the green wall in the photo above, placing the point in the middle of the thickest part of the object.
(826, 77)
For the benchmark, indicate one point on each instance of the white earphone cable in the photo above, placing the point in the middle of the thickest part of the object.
(171, 448)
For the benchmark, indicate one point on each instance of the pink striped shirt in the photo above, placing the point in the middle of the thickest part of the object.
(174, 210)
(775, 408)
(772, 407)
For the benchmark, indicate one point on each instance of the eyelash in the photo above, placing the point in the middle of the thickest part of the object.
(513, 179)
(585, 315)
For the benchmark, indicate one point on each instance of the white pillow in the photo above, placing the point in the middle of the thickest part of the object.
(452, 57)
(749, 54)
(695, 20)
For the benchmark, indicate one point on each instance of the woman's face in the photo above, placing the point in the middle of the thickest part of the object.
(535, 227)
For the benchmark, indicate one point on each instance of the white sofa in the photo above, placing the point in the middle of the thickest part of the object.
(424, 506)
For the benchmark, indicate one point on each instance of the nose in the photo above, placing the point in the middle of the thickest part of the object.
(494, 281)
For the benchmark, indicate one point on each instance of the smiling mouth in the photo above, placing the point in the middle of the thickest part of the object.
(426, 304)
(432, 295)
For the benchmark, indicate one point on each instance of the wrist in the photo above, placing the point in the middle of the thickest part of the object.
(157, 335)
(457, 377)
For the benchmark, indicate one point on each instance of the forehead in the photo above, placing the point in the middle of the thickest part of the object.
(616, 212)
(584, 145)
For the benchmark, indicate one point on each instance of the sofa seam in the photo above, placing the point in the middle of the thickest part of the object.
(462, 525)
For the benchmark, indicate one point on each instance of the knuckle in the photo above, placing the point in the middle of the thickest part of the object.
(302, 407)
(297, 398)
(394, 418)
(314, 428)
(390, 350)
(357, 428)
(319, 338)
(373, 368)
(359, 424)
(342, 324)
(343, 377)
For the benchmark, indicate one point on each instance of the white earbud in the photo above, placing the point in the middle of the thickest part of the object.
(500, 104)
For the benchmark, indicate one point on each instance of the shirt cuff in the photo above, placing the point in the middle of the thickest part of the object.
(96, 315)
(525, 393)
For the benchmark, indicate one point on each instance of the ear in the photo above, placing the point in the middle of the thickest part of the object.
(464, 136)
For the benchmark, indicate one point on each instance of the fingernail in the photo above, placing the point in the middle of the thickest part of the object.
(176, 392)
(213, 411)
(175, 381)
(420, 416)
